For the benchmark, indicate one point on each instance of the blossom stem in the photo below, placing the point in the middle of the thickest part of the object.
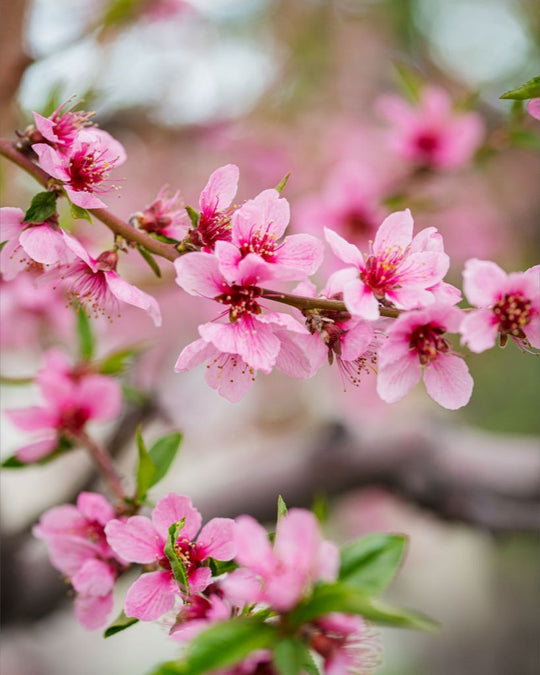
(104, 463)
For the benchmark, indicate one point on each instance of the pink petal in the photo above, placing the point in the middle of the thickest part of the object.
(345, 251)
(33, 418)
(297, 540)
(395, 232)
(284, 588)
(532, 332)
(95, 507)
(396, 379)
(410, 296)
(194, 354)
(300, 252)
(482, 282)
(216, 539)
(268, 212)
(92, 611)
(199, 274)
(94, 578)
(86, 200)
(126, 292)
(78, 249)
(199, 579)
(150, 596)
(11, 220)
(327, 566)
(172, 509)
(220, 189)
(68, 553)
(45, 126)
(448, 381)
(135, 540)
(356, 340)
(533, 108)
(33, 452)
(479, 330)
(229, 375)
(60, 520)
(51, 161)
(101, 396)
(294, 355)
(360, 301)
(253, 548)
(241, 587)
(229, 258)
(338, 280)
(44, 245)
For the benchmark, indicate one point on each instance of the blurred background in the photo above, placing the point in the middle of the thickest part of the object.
(276, 87)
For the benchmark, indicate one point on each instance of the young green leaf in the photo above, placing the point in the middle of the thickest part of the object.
(409, 82)
(530, 89)
(320, 507)
(193, 216)
(281, 508)
(115, 363)
(341, 597)
(162, 454)
(372, 562)
(145, 469)
(149, 258)
(42, 206)
(292, 657)
(283, 182)
(78, 213)
(177, 564)
(85, 334)
(119, 624)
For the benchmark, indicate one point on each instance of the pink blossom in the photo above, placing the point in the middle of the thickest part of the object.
(415, 348)
(143, 541)
(432, 133)
(62, 127)
(84, 167)
(29, 245)
(164, 216)
(533, 108)
(249, 334)
(77, 547)
(256, 231)
(199, 613)
(399, 268)
(73, 397)
(215, 208)
(95, 283)
(508, 305)
(282, 575)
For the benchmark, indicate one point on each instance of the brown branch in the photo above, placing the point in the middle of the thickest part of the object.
(103, 462)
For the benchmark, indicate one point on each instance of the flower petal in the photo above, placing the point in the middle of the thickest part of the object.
(448, 381)
(126, 292)
(135, 539)
(217, 539)
(150, 596)
(172, 509)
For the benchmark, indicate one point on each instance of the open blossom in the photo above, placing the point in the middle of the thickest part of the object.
(29, 245)
(256, 231)
(77, 547)
(143, 541)
(280, 575)
(399, 269)
(215, 208)
(84, 167)
(95, 283)
(199, 612)
(249, 333)
(416, 347)
(73, 397)
(508, 305)
(432, 133)
(164, 215)
(61, 128)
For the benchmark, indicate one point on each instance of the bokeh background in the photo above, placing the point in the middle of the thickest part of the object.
(276, 87)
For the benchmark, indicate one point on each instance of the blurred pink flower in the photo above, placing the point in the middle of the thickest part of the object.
(508, 304)
(165, 215)
(61, 128)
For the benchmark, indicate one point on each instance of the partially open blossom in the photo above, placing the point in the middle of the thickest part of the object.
(533, 108)
(280, 575)
(256, 231)
(432, 133)
(29, 245)
(77, 547)
(199, 612)
(60, 129)
(165, 215)
(417, 347)
(143, 541)
(84, 167)
(95, 283)
(508, 305)
(399, 269)
(73, 397)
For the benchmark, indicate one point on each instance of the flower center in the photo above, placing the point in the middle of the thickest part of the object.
(428, 342)
(242, 300)
(87, 168)
(427, 143)
(211, 228)
(189, 553)
(260, 243)
(380, 272)
(73, 419)
(513, 313)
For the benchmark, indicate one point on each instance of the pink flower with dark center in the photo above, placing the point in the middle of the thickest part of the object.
(85, 166)
(256, 231)
(62, 127)
(280, 575)
(29, 245)
(249, 333)
(73, 397)
(417, 347)
(432, 133)
(164, 216)
(399, 269)
(75, 538)
(216, 210)
(143, 541)
(508, 306)
(95, 283)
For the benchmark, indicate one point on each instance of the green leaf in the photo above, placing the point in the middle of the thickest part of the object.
(193, 216)
(177, 564)
(86, 337)
(225, 644)
(162, 454)
(115, 363)
(13, 463)
(340, 597)
(281, 508)
(149, 258)
(320, 507)
(145, 469)
(219, 567)
(63, 446)
(78, 213)
(530, 89)
(42, 206)
(372, 562)
(292, 657)
(283, 182)
(119, 624)
(408, 81)
(120, 12)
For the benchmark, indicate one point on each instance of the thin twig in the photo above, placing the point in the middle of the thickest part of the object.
(104, 463)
